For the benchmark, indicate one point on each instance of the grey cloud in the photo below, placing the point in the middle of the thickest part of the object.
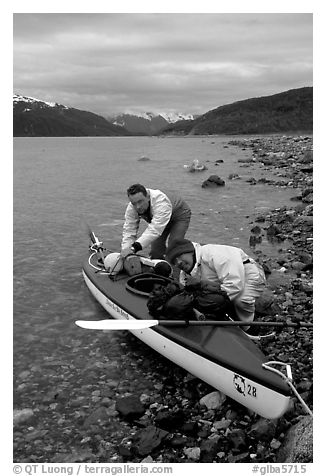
(189, 62)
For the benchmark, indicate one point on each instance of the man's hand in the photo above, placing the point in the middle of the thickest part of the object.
(191, 280)
(126, 251)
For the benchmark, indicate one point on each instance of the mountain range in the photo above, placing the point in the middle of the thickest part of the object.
(284, 112)
(288, 111)
(36, 118)
(147, 123)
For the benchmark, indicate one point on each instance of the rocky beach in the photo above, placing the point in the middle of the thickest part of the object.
(183, 420)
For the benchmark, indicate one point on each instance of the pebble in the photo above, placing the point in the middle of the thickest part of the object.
(213, 400)
(22, 416)
(221, 424)
(192, 453)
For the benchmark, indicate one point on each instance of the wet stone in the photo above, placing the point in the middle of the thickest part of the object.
(22, 416)
(213, 400)
(209, 449)
(263, 429)
(192, 453)
(98, 416)
(149, 439)
(237, 438)
(130, 407)
(178, 441)
(168, 420)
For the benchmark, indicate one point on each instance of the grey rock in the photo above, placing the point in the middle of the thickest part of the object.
(263, 429)
(192, 453)
(209, 449)
(22, 416)
(148, 439)
(168, 420)
(130, 407)
(273, 230)
(298, 443)
(213, 400)
(97, 417)
(213, 181)
(237, 439)
(190, 428)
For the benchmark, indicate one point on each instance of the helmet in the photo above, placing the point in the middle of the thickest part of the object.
(113, 263)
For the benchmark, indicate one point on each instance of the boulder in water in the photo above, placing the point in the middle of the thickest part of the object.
(213, 181)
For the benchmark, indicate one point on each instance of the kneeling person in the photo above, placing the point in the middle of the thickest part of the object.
(220, 267)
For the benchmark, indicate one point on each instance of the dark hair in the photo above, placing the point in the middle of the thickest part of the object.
(137, 188)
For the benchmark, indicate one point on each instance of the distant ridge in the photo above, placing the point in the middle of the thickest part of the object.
(288, 111)
(284, 112)
(35, 118)
(147, 123)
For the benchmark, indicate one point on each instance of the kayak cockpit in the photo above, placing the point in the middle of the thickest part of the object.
(145, 283)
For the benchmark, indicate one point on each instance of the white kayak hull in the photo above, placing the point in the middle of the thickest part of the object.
(260, 399)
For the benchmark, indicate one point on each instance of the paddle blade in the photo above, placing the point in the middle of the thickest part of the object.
(117, 324)
(92, 236)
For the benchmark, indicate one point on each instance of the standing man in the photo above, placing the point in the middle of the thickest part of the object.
(166, 215)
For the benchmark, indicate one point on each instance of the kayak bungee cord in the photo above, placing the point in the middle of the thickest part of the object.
(95, 248)
(89, 260)
(267, 366)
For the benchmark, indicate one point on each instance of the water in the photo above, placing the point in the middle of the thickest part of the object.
(61, 183)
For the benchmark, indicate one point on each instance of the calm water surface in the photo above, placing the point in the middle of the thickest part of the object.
(60, 183)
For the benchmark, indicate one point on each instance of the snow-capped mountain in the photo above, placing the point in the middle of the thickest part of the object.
(17, 98)
(36, 118)
(148, 123)
(175, 117)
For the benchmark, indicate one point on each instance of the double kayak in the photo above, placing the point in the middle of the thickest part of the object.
(222, 356)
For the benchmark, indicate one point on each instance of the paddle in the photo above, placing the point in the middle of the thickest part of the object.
(132, 324)
(92, 235)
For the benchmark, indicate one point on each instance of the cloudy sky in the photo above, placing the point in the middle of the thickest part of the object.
(176, 62)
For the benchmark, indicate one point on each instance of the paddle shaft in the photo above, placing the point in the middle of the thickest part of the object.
(134, 324)
(178, 323)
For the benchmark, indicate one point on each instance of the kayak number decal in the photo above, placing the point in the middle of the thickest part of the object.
(244, 388)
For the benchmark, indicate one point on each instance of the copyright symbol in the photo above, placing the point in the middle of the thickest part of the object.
(17, 469)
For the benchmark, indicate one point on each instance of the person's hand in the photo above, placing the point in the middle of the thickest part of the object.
(191, 280)
(126, 251)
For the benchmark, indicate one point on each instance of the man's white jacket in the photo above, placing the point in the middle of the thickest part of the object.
(161, 212)
(220, 264)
